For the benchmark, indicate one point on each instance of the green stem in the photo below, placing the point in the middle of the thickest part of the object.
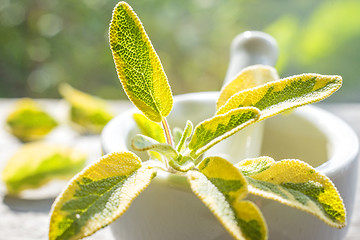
(167, 132)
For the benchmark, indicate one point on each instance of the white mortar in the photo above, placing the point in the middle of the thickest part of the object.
(169, 210)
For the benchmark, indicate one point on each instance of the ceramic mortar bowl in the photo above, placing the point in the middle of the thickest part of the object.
(168, 209)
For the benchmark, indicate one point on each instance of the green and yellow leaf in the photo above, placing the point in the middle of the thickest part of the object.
(152, 130)
(28, 121)
(295, 184)
(185, 135)
(177, 134)
(285, 94)
(182, 163)
(213, 130)
(144, 143)
(149, 128)
(249, 77)
(35, 164)
(99, 195)
(88, 114)
(221, 187)
(138, 66)
(174, 159)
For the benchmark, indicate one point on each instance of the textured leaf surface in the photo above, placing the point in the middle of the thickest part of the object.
(144, 143)
(28, 121)
(149, 128)
(152, 130)
(89, 114)
(285, 94)
(138, 66)
(37, 163)
(182, 163)
(219, 127)
(177, 134)
(98, 195)
(185, 135)
(221, 187)
(174, 159)
(295, 184)
(249, 77)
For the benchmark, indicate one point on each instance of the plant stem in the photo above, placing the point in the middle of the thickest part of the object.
(167, 132)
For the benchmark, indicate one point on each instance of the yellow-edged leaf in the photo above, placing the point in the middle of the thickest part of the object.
(221, 187)
(138, 66)
(99, 195)
(149, 128)
(249, 77)
(285, 94)
(182, 163)
(184, 136)
(295, 184)
(88, 114)
(174, 159)
(152, 130)
(177, 134)
(28, 121)
(35, 164)
(213, 130)
(144, 143)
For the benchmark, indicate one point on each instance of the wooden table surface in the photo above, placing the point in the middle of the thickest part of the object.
(27, 218)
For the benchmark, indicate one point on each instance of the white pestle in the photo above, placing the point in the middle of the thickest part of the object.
(248, 48)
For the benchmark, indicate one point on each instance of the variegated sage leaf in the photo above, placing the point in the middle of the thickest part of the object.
(182, 163)
(177, 133)
(144, 143)
(88, 114)
(185, 135)
(152, 130)
(149, 128)
(29, 122)
(221, 187)
(249, 77)
(37, 163)
(138, 66)
(174, 159)
(99, 195)
(213, 130)
(285, 94)
(295, 184)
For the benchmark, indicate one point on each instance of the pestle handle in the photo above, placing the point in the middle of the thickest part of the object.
(250, 48)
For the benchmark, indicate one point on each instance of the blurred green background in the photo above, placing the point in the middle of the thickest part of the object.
(45, 42)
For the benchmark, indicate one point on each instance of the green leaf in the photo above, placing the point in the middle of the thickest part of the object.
(285, 94)
(177, 134)
(182, 163)
(213, 130)
(296, 184)
(152, 130)
(149, 128)
(175, 160)
(28, 121)
(221, 187)
(35, 164)
(144, 143)
(185, 135)
(138, 66)
(88, 114)
(99, 195)
(249, 77)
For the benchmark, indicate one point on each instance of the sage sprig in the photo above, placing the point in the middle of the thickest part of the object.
(102, 192)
